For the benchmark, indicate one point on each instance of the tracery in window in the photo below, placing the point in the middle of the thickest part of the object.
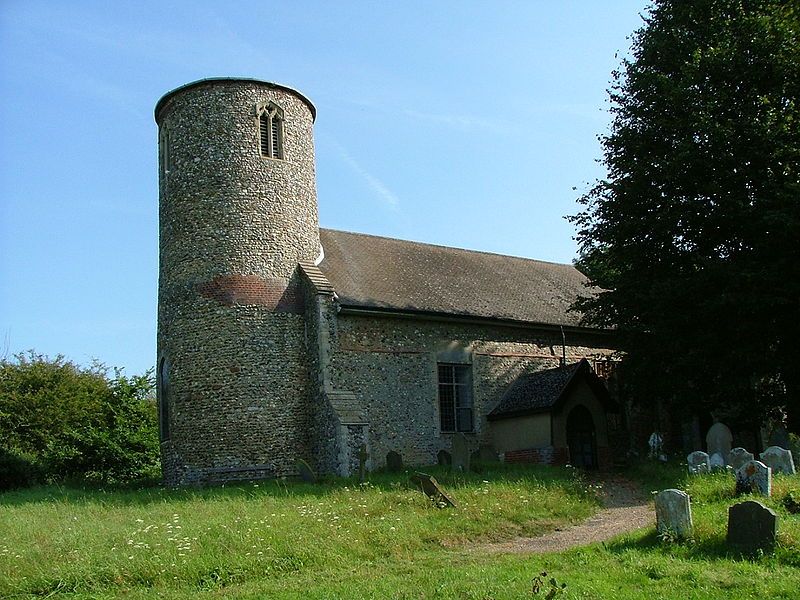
(270, 129)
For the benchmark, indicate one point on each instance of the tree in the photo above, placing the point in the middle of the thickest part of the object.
(694, 234)
(64, 421)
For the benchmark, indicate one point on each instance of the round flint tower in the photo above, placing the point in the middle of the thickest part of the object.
(238, 210)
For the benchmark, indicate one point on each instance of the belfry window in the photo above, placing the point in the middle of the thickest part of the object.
(270, 129)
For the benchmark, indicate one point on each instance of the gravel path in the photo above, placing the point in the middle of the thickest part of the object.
(626, 509)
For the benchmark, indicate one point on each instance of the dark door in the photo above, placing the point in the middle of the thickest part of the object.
(581, 438)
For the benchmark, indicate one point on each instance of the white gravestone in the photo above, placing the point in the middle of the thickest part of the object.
(674, 514)
(718, 440)
(779, 460)
(754, 476)
(738, 456)
(698, 463)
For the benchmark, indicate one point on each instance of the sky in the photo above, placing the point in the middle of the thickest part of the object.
(465, 124)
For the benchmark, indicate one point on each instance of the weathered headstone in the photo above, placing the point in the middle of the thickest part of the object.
(431, 488)
(488, 454)
(394, 462)
(305, 471)
(718, 439)
(461, 454)
(754, 476)
(655, 443)
(698, 463)
(738, 456)
(716, 462)
(779, 437)
(779, 460)
(362, 463)
(752, 526)
(674, 514)
(444, 459)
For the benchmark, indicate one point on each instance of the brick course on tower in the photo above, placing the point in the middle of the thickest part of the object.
(273, 346)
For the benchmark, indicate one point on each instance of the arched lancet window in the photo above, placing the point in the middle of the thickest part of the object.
(270, 127)
(166, 162)
(163, 399)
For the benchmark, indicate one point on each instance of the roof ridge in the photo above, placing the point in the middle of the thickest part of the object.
(384, 237)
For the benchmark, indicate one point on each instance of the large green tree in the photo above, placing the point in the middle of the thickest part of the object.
(694, 234)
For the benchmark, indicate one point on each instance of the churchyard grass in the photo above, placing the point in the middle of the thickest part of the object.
(339, 539)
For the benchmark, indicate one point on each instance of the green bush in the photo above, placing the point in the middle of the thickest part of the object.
(79, 423)
(16, 470)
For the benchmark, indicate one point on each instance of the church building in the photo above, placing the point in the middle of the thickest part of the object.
(280, 341)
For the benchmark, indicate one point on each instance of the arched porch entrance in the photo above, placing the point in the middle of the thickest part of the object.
(582, 438)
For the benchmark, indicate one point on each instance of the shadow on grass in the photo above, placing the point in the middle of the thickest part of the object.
(708, 549)
(282, 488)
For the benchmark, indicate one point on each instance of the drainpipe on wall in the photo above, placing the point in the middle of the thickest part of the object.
(563, 361)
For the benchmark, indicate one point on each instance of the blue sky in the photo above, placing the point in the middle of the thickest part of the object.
(465, 124)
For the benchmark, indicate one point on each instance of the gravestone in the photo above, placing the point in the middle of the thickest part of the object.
(461, 454)
(738, 456)
(394, 462)
(698, 463)
(716, 462)
(655, 443)
(779, 460)
(305, 471)
(674, 514)
(431, 488)
(754, 476)
(362, 462)
(752, 526)
(444, 459)
(779, 437)
(487, 454)
(718, 439)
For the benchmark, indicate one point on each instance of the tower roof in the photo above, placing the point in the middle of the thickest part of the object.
(223, 80)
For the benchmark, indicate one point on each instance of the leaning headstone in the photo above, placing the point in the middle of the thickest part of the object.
(698, 463)
(394, 462)
(738, 456)
(461, 454)
(752, 526)
(716, 462)
(754, 476)
(718, 439)
(362, 463)
(779, 460)
(305, 471)
(674, 514)
(431, 488)
(444, 459)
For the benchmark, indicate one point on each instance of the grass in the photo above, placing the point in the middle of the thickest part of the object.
(384, 539)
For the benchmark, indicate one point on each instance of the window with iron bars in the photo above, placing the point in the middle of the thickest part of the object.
(455, 397)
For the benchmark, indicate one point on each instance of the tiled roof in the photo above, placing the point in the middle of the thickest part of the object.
(534, 392)
(383, 273)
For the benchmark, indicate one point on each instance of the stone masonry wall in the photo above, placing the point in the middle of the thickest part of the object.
(231, 330)
(390, 364)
